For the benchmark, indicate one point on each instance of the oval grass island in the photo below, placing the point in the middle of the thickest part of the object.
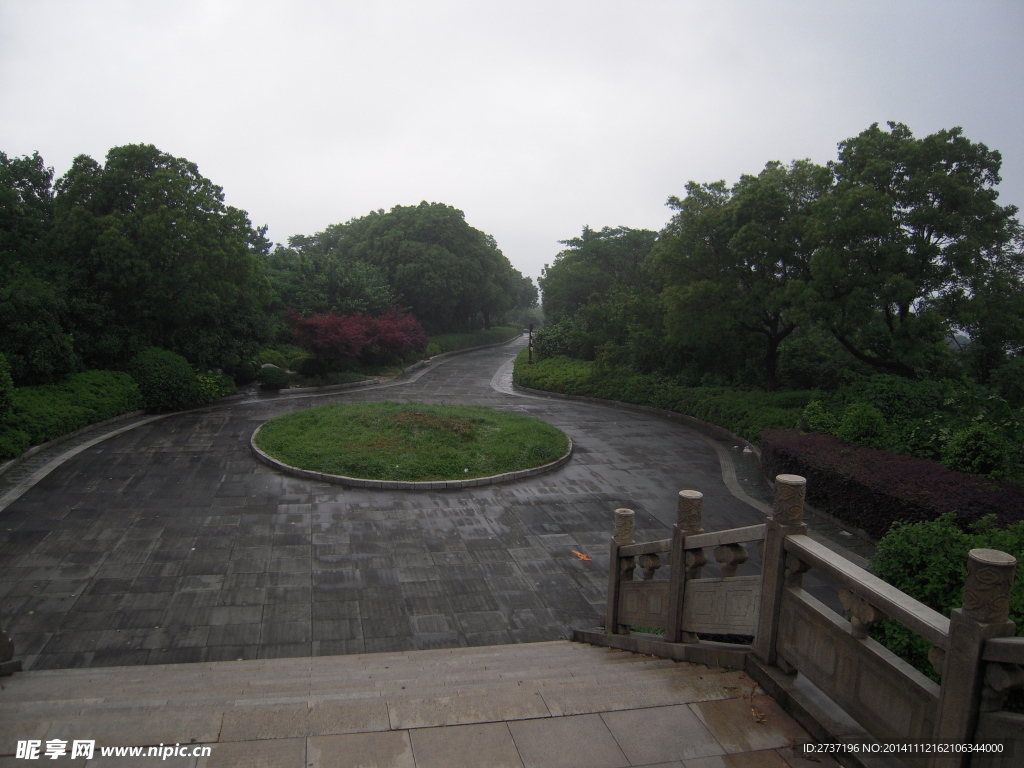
(410, 446)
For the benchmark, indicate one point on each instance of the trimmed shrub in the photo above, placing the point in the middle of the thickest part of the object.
(166, 380)
(244, 372)
(977, 450)
(871, 489)
(47, 411)
(863, 424)
(272, 377)
(816, 419)
(213, 386)
(928, 561)
(271, 356)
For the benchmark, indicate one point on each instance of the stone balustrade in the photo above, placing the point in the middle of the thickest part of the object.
(790, 633)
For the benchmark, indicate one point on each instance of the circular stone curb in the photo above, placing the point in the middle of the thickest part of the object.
(403, 485)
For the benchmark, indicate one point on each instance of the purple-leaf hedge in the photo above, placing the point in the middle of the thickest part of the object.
(870, 488)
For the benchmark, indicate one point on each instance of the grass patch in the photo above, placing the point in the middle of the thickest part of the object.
(410, 441)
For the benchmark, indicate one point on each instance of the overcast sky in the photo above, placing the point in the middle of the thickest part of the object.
(534, 118)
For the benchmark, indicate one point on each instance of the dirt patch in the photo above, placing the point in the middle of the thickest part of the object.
(453, 424)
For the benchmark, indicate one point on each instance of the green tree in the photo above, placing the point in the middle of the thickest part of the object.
(909, 242)
(450, 275)
(736, 262)
(314, 279)
(26, 209)
(149, 255)
(592, 265)
(34, 340)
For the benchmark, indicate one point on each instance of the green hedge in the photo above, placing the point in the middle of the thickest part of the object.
(744, 413)
(871, 488)
(48, 411)
(452, 342)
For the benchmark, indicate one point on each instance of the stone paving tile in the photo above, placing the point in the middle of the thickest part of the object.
(391, 749)
(661, 734)
(566, 742)
(176, 518)
(749, 725)
(272, 753)
(484, 745)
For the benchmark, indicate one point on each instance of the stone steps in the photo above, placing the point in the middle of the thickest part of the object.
(414, 688)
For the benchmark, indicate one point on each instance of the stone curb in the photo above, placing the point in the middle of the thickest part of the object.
(681, 418)
(11, 463)
(401, 485)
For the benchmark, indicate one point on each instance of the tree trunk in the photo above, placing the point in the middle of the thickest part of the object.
(887, 366)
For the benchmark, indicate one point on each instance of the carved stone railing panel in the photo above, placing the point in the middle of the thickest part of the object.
(722, 606)
(887, 696)
(643, 603)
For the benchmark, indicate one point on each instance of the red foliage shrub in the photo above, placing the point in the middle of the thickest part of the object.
(398, 333)
(332, 337)
(870, 488)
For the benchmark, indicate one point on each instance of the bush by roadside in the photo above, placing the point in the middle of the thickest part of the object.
(928, 561)
(741, 412)
(871, 489)
(47, 411)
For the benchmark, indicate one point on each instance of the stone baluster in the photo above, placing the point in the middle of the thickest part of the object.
(730, 557)
(776, 572)
(985, 614)
(649, 564)
(683, 565)
(999, 680)
(8, 664)
(619, 568)
(863, 615)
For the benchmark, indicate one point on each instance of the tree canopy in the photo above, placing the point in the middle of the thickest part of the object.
(426, 258)
(148, 254)
(881, 261)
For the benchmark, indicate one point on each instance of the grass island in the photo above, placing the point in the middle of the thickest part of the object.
(410, 442)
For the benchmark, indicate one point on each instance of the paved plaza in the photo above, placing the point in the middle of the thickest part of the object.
(169, 542)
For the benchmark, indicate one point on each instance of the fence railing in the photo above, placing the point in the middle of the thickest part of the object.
(780, 630)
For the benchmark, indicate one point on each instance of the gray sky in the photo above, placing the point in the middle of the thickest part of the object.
(535, 118)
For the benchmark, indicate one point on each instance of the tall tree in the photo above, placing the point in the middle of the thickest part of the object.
(150, 255)
(34, 341)
(449, 274)
(594, 264)
(736, 261)
(909, 241)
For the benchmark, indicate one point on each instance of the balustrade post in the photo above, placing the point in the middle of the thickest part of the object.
(689, 513)
(619, 568)
(8, 664)
(776, 573)
(985, 614)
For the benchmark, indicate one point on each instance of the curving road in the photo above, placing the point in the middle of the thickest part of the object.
(168, 542)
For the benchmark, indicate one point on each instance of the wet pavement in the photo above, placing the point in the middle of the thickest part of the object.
(168, 542)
